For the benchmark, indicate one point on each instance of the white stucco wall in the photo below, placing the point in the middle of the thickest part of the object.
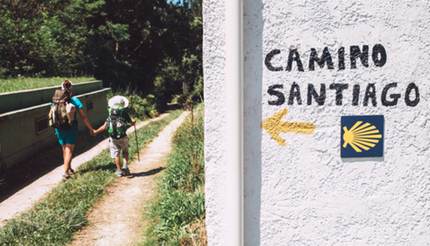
(222, 64)
(304, 193)
(307, 194)
(213, 65)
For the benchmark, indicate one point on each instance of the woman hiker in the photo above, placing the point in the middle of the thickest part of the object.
(67, 135)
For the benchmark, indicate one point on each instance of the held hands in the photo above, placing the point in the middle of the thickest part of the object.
(94, 132)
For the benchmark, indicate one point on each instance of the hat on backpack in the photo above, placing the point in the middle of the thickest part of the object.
(118, 102)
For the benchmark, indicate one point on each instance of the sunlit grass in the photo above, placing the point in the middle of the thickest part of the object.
(177, 214)
(25, 83)
(54, 220)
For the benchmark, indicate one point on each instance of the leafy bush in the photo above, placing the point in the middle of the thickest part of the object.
(140, 107)
(143, 106)
(177, 215)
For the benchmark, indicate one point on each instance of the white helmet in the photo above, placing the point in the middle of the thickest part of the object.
(118, 102)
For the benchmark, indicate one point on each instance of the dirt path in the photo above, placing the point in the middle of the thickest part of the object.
(25, 198)
(117, 218)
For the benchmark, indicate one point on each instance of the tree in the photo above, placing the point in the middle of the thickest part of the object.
(141, 46)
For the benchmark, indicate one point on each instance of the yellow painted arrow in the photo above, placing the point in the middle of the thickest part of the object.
(274, 126)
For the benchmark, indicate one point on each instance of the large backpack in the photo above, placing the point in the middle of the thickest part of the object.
(58, 113)
(117, 124)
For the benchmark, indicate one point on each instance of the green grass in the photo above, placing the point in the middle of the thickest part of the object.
(54, 220)
(25, 83)
(177, 214)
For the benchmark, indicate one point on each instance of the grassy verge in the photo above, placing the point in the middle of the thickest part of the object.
(25, 83)
(177, 214)
(54, 220)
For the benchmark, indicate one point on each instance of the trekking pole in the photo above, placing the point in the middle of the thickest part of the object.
(137, 142)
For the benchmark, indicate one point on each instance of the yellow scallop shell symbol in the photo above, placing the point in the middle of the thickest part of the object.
(361, 136)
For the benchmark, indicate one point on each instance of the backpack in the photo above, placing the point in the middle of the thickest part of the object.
(117, 124)
(58, 113)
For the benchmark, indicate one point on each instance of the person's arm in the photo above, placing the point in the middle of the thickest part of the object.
(85, 120)
(79, 106)
(100, 129)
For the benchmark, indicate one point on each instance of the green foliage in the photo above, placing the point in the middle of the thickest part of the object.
(141, 107)
(182, 71)
(180, 204)
(152, 47)
(54, 220)
(25, 83)
(43, 38)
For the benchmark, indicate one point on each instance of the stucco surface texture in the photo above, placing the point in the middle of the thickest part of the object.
(213, 66)
(304, 193)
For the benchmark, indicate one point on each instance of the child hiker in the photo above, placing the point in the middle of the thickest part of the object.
(116, 125)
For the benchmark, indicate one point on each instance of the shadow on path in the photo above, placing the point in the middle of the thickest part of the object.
(147, 173)
(108, 167)
(24, 173)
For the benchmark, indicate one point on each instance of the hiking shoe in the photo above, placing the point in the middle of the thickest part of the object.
(70, 172)
(66, 176)
(119, 173)
(126, 171)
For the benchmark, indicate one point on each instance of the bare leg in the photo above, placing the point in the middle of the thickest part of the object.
(67, 156)
(125, 154)
(118, 162)
(64, 158)
(125, 164)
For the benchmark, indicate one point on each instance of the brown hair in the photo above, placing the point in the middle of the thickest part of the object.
(67, 86)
